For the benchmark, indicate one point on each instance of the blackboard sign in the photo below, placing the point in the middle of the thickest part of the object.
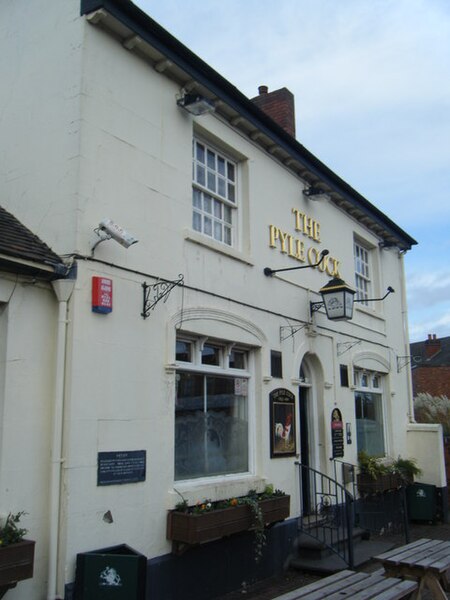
(121, 467)
(337, 433)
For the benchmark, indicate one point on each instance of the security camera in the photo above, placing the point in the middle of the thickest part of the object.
(117, 233)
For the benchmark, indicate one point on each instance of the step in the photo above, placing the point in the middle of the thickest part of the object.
(317, 542)
(364, 551)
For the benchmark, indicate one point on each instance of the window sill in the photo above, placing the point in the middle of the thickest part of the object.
(214, 488)
(202, 240)
(370, 312)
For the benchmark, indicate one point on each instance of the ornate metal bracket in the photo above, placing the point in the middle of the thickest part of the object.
(402, 361)
(346, 346)
(292, 329)
(156, 292)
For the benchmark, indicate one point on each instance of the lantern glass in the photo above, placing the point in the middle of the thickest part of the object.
(338, 300)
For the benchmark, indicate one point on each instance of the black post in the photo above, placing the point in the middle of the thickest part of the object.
(405, 514)
(349, 517)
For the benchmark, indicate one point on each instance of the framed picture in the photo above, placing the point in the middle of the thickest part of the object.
(283, 440)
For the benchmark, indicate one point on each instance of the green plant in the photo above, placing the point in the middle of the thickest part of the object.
(10, 532)
(371, 465)
(376, 466)
(251, 499)
(208, 505)
(407, 468)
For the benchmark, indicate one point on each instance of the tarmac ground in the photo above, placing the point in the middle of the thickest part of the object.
(271, 588)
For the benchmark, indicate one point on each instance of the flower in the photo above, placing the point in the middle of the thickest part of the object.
(208, 505)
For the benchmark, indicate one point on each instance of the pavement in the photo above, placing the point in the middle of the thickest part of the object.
(271, 588)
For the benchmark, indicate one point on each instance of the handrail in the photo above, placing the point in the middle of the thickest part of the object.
(330, 517)
(351, 469)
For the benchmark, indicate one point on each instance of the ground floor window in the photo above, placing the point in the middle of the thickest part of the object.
(211, 414)
(369, 413)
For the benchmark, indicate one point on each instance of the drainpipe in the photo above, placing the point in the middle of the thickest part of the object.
(406, 335)
(63, 289)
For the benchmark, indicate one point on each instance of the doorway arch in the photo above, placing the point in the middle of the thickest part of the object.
(312, 440)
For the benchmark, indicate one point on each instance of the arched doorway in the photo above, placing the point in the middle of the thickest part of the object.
(305, 430)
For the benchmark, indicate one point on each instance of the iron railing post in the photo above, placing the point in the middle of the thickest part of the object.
(405, 514)
(349, 519)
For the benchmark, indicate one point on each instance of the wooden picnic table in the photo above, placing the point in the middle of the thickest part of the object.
(425, 561)
(357, 586)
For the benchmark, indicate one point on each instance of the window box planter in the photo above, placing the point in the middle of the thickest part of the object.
(383, 483)
(16, 563)
(191, 528)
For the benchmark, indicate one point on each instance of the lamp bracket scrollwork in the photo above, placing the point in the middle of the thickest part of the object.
(156, 292)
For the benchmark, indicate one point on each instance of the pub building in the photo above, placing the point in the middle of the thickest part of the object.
(231, 315)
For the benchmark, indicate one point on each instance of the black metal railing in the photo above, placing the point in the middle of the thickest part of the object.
(332, 507)
(330, 516)
(383, 514)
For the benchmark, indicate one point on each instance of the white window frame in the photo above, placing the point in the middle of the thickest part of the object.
(195, 366)
(372, 382)
(363, 272)
(214, 194)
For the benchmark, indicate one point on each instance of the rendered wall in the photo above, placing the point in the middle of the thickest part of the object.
(27, 328)
(425, 443)
(41, 45)
(119, 147)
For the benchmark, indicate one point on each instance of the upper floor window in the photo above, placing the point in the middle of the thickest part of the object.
(214, 193)
(363, 282)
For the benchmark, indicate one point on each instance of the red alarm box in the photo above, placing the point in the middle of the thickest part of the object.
(102, 295)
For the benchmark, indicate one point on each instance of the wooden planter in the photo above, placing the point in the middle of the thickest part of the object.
(206, 527)
(16, 563)
(383, 483)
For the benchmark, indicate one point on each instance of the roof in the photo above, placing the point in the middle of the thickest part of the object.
(21, 251)
(440, 359)
(139, 33)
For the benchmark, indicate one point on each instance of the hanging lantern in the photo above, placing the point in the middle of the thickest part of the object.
(338, 300)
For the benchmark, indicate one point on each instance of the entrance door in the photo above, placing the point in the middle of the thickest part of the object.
(303, 394)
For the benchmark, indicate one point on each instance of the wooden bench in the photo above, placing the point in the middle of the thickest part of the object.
(357, 586)
(424, 561)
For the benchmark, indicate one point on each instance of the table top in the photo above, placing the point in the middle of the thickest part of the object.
(357, 586)
(424, 554)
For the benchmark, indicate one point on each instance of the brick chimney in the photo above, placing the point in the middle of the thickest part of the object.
(279, 106)
(432, 345)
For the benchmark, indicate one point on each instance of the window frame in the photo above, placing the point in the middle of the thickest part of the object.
(363, 268)
(224, 203)
(364, 384)
(223, 369)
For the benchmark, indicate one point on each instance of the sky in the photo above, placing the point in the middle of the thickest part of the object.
(371, 80)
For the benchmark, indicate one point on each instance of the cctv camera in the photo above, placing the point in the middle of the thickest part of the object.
(117, 233)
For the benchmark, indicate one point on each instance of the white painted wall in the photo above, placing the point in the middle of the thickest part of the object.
(425, 443)
(27, 334)
(103, 137)
(40, 97)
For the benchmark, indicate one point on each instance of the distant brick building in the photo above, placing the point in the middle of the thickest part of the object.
(431, 366)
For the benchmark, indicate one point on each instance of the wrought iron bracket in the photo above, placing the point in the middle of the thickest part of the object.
(347, 346)
(292, 329)
(403, 361)
(315, 306)
(156, 292)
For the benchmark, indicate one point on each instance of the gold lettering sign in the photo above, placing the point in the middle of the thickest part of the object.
(295, 247)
